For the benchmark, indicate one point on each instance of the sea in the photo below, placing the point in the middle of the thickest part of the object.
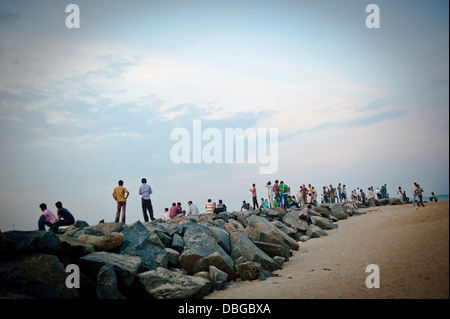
(440, 197)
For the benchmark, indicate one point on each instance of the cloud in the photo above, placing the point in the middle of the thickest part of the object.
(82, 141)
(7, 18)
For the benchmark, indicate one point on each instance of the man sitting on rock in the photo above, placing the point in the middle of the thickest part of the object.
(304, 214)
(65, 218)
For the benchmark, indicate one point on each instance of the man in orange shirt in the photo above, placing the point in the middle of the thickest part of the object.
(120, 194)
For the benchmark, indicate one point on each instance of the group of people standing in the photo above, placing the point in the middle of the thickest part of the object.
(279, 195)
(120, 195)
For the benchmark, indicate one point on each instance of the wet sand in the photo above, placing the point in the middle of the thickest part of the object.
(410, 246)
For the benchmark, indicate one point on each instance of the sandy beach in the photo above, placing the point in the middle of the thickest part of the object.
(409, 245)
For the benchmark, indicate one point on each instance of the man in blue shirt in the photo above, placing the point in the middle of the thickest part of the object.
(145, 190)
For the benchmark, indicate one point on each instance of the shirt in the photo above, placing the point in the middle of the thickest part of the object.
(145, 190)
(304, 212)
(283, 189)
(174, 211)
(65, 214)
(193, 210)
(209, 207)
(49, 216)
(120, 193)
(276, 189)
(254, 192)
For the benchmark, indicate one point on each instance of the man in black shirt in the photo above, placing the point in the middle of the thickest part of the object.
(65, 218)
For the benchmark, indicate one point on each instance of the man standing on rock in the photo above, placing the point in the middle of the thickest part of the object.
(145, 190)
(120, 194)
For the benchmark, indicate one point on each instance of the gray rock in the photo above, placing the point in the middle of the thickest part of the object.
(338, 212)
(273, 250)
(201, 249)
(39, 276)
(265, 226)
(72, 246)
(249, 270)
(220, 278)
(291, 219)
(165, 284)
(241, 245)
(25, 242)
(139, 241)
(177, 242)
(323, 222)
(107, 284)
(126, 267)
(315, 231)
(173, 257)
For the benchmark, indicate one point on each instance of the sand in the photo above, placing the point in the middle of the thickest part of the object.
(410, 247)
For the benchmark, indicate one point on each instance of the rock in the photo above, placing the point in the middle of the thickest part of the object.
(173, 257)
(108, 242)
(107, 284)
(165, 284)
(241, 245)
(107, 228)
(291, 220)
(338, 212)
(323, 222)
(125, 267)
(220, 278)
(395, 201)
(25, 242)
(322, 210)
(249, 270)
(291, 232)
(39, 276)
(304, 238)
(273, 250)
(315, 231)
(72, 246)
(264, 225)
(139, 241)
(199, 244)
(177, 243)
(221, 236)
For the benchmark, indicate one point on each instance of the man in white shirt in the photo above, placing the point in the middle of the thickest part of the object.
(193, 209)
(145, 190)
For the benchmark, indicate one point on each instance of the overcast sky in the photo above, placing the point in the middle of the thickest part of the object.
(82, 108)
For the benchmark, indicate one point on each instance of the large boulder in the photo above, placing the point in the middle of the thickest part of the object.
(108, 242)
(315, 231)
(125, 267)
(338, 212)
(139, 241)
(323, 222)
(107, 284)
(25, 242)
(242, 246)
(265, 226)
(291, 219)
(202, 250)
(162, 283)
(39, 276)
(249, 270)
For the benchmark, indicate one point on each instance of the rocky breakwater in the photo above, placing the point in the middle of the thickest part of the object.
(186, 257)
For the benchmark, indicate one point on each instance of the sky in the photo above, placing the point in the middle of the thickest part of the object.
(81, 108)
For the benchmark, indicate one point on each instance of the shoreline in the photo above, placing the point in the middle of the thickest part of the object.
(410, 246)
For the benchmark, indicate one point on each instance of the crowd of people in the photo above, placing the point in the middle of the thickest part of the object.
(278, 195)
